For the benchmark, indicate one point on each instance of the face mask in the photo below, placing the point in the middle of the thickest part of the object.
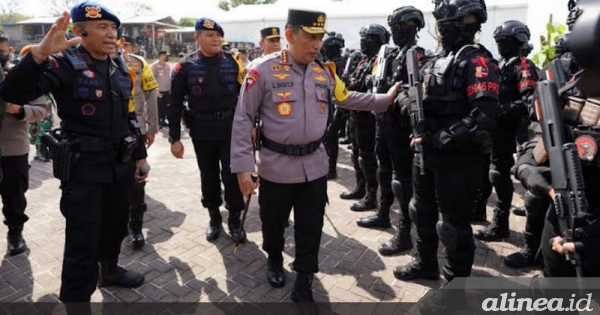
(4, 60)
(454, 35)
(369, 48)
(403, 35)
(508, 47)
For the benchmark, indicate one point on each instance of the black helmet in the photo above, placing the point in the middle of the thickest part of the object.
(452, 10)
(334, 40)
(514, 29)
(407, 13)
(376, 29)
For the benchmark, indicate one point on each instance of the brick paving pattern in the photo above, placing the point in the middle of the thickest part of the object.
(180, 265)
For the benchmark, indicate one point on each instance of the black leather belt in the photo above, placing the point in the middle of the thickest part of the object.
(218, 115)
(289, 149)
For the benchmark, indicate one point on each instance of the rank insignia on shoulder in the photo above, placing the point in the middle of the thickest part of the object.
(284, 109)
(281, 76)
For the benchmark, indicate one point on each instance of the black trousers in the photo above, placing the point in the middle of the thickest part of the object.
(213, 161)
(13, 188)
(446, 189)
(96, 223)
(308, 201)
(162, 103)
(137, 203)
(384, 170)
(402, 156)
(333, 135)
(365, 124)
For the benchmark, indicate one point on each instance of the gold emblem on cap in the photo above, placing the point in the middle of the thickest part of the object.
(209, 24)
(93, 12)
(321, 18)
(274, 31)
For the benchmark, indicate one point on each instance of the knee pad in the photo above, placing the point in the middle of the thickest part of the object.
(412, 210)
(494, 176)
(397, 188)
(447, 234)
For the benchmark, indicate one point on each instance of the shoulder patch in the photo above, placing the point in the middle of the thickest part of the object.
(251, 78)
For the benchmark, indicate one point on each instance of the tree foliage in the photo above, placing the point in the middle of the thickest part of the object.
(57, 7)
(9, 12)
(187, 21)
(228, 4)
(548, 43)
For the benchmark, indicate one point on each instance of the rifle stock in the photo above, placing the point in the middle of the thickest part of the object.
(567, 176)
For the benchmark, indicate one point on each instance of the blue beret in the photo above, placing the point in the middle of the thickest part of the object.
(206, 24)
(92, 11)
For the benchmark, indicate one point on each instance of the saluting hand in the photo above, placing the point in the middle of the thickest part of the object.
(55, 40)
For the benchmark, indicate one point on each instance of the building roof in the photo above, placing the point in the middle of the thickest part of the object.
(39, 20)
(164, 20)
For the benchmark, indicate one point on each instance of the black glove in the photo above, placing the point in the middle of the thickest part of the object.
(537, 179)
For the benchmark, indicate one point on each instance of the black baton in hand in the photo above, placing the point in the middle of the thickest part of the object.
(246, 207)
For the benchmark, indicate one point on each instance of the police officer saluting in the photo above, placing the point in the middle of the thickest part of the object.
(292, 93)
(97, 153)
(210, 78)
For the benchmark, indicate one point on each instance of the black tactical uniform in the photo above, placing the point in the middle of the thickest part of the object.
(211, 86)
(332, 51)
(392, 143)
(460, 104)
(97, 122)
(518, 78)
(373, 36)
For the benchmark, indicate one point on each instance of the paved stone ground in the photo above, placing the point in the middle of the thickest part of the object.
(180, 265)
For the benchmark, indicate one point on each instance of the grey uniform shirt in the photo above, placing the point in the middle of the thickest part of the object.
(162, 74)
(292, 100)
(14, 136)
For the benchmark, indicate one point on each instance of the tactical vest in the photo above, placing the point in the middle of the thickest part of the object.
(212, 84)
(445, 98)
(509, 86)
(93, 100)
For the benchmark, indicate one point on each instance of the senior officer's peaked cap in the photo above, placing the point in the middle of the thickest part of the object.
(206, 24)
(312, 22)
(93, 11)
(270, 32)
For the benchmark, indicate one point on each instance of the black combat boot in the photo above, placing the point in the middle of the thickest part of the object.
(527, 256)
(16, 242)
(399, 242)
(414, 270)
(236, 230)
(479, 211)
(302, 292)
(497, 230)
(368, 202)
(379, 220)
(275, 274)
(519, 211)
(214, 226)
(136, 219)
(357, 192)
(113, 275)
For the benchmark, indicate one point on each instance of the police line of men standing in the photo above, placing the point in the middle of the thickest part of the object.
(104, 96)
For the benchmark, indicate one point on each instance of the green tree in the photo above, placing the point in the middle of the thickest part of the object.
(228, 4)
(187, 21)
(9, 12)
(57, 7)
(548, 43)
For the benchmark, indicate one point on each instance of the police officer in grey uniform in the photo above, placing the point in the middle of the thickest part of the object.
(293, 95)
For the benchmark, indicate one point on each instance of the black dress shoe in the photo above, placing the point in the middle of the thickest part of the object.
(213, 233)
(137, 239)
(120, 277)
(16, 244)
(519, 211)
(238, 234)
(275, 275)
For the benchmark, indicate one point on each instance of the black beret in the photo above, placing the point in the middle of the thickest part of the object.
(312, 22)
(206, 24)
(270, 32)
(92, 11)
